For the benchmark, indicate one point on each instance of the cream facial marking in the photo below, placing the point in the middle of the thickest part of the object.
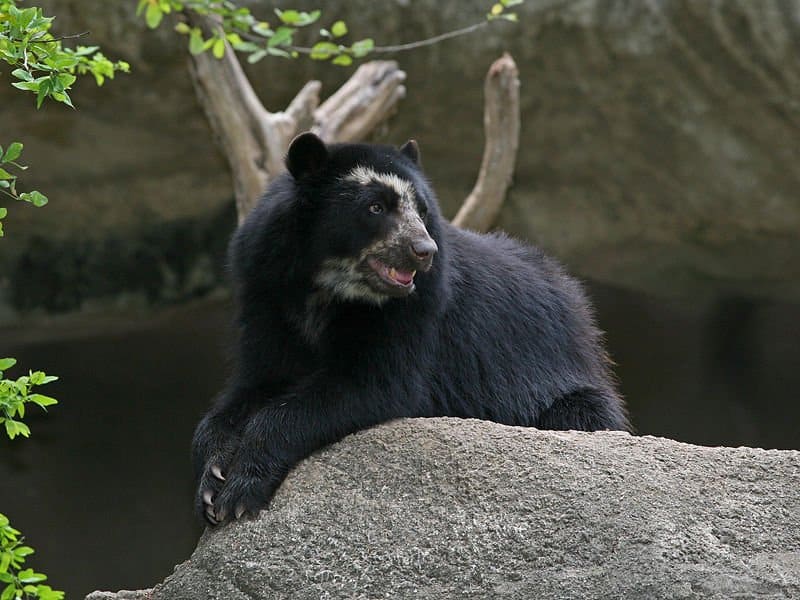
(342, 278)
(366, 175)
(410, 223)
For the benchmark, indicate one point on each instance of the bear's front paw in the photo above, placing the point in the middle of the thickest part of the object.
(243, 492)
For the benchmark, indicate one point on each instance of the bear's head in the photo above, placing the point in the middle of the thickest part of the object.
(371, 217)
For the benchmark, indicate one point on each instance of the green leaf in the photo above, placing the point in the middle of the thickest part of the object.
(308, 18)
(343, 60)
(233, 39)
(196, 41)
(278, 52)
(262, 28)
(256, 56)
(362, 47)
(13, 152)
(9, 592)
(31, 86)
(5, 174)
(3, 213)
(47, 593)
(281, 37)
(22, 74)
(23, 551)
(182, 28)
(66, 80)
(86, 50)
(45, 87)
(36, 198)
(29, 576)
(219, 48)
(5, 364)
(15, 428)
(42, 400)
(290, 17)
(339, 29)
(153, 16)
(324, 50)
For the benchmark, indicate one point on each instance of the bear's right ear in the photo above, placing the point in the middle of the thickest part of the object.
(307, 154)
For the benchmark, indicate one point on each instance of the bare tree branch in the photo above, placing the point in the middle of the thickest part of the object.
(252, 139)
(501, 120)
(365, 100)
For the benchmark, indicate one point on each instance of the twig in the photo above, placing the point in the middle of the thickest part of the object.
(410, 45)
(63, 37)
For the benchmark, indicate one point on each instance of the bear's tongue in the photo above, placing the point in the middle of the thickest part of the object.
(402, 277)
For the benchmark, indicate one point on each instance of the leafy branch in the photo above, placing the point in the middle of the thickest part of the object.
(16, 393)
(20, 583)
(257, 38)
(8, 181)
(41, 64)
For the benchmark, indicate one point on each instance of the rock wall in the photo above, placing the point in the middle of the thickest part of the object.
(450, 508)
(658, 150)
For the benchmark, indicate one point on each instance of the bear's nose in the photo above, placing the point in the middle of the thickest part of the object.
(423, 251)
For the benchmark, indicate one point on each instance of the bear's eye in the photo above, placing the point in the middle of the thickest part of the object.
(376, 208)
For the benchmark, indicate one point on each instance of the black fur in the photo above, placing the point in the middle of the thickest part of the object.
(494, 330)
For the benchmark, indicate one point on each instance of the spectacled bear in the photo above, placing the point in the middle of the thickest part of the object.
(358, 303)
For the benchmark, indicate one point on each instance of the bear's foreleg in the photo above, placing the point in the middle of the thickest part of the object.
(216, 440)
(283, 432)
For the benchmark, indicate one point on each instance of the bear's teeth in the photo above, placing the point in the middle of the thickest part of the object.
(393, 273)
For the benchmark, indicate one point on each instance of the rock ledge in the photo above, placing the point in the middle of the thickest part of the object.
(451, 508)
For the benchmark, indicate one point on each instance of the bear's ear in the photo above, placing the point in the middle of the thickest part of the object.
(411, 150)
(307, 154)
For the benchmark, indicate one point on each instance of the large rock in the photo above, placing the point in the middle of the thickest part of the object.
(449, 508)
(658, 148)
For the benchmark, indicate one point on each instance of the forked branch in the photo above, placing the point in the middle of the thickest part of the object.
(255, 140)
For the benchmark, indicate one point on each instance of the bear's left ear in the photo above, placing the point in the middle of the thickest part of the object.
(411, 150)
(307, 154)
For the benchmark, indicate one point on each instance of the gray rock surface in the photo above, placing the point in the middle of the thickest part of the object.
(449, 508)
(658, 148)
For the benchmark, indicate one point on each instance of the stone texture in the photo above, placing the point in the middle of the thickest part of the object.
(658, 148)
(449, 508)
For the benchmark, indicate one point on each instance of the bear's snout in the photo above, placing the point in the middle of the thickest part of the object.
(422, 251)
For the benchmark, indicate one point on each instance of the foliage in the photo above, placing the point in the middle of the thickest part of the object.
(19, 582)
(257, 38)
(15, 393)
(8, 181)
(42, 65)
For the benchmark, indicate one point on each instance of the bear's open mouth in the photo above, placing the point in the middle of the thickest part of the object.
(392, 275)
